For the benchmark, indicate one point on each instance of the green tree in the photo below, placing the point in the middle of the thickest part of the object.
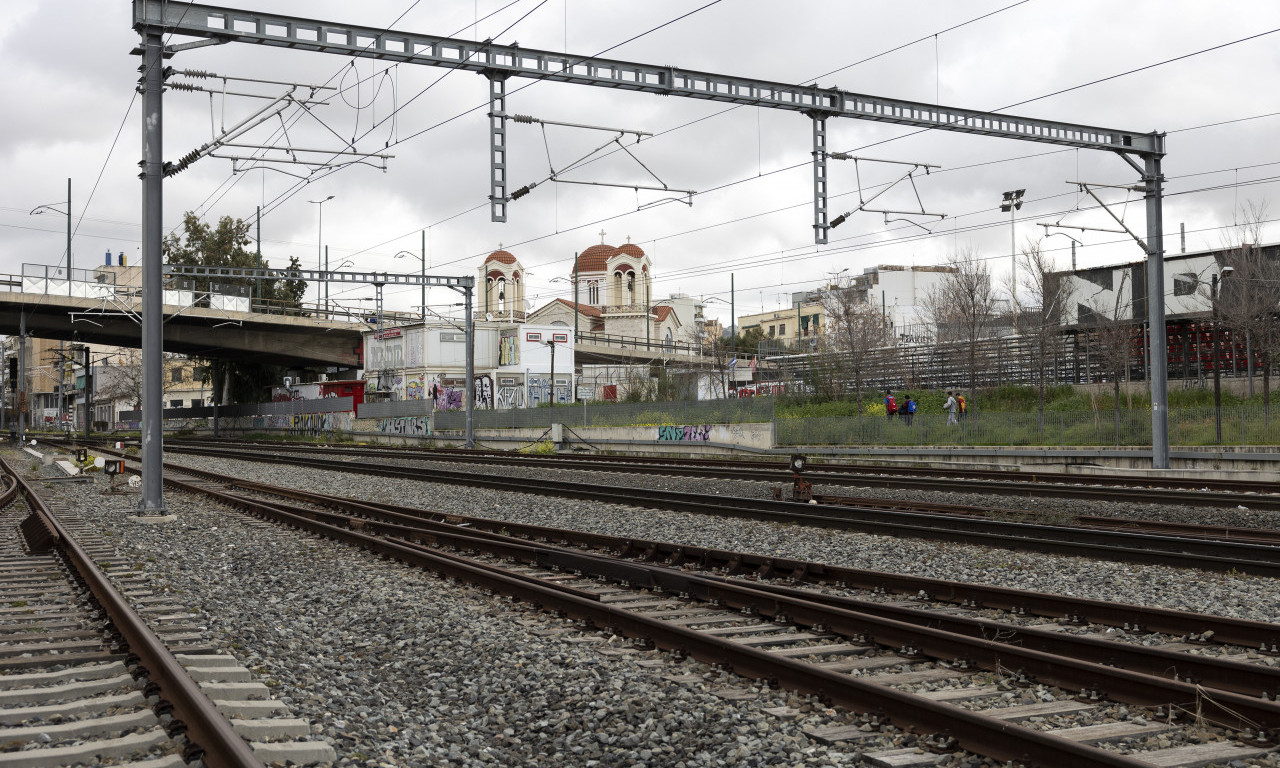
(227, 245)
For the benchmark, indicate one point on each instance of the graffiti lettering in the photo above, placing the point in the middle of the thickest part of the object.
(510, 397)
(699, 433)
(413, 426)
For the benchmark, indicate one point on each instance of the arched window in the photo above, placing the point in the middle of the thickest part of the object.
(593, 292)
(631, 288)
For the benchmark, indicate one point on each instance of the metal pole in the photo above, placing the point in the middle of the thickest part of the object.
(424, 278)
(647, 309)
(22, 376)
(551, 390)
(1155, 313)
(88, 393)
(469, 393)
(733, 316)
(1217, 368)
(62, 385)
(1013, 261)
(258, 218)
(326, 279)
(152, 500)
(68, 237)
(4, 391)
(576, 309)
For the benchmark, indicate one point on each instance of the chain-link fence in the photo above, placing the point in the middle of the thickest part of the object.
(732, 411)
(1241, 425)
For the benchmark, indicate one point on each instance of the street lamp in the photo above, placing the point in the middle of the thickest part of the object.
(1010, 204)
(423, 261)
(49, 207)
(319, 249)
(551, 391)
(1217, 351)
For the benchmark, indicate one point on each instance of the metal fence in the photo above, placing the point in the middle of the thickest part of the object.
(394, 408)
(283, 408)
(1241, 425)
(731, 411)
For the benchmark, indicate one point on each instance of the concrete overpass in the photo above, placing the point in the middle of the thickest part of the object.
(290, 340)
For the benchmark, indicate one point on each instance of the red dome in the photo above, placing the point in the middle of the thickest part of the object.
(596, 258)
(501, 256)
(631, 249)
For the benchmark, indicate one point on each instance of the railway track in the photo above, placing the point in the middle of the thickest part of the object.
(1030, 484)
(1011, 688)
(96, 669)
(1167, 548)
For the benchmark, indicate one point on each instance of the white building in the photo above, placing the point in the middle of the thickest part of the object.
(514, 363)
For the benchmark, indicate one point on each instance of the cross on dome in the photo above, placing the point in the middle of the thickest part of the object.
(602, 233)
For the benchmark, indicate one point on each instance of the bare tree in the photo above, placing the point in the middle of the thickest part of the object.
(1111, 332)
(120, 381)
(962, 308)
(854, 328)
(1245, 295)
(1047, 292)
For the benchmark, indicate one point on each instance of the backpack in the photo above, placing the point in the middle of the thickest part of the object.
(960, 402)
(911, 406)
(890, 404)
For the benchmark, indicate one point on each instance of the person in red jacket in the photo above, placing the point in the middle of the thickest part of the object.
(890, 404)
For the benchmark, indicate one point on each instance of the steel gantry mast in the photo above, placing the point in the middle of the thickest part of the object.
(498, 63)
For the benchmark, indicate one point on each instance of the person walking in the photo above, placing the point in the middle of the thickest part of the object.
(890, 405)
(961, 407)
(950, 407)
(909, 410)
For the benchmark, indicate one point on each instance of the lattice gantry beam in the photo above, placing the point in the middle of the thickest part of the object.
(320, 275)
(487, 57)
(819, 179)
(498, 147)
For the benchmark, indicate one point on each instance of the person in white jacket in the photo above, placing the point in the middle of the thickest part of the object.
(950, 407)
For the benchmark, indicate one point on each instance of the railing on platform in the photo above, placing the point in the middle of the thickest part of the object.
(752, 410)
(1241, 425)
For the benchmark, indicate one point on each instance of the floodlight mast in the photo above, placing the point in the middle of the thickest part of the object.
(498, 63)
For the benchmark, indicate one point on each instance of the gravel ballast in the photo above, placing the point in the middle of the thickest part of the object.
(395, 667)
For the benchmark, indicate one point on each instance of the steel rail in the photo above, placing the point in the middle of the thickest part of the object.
(1256, 559)
(1241, 678)
(975, 732)
(206, 728)
(1260, 494)
(1252, 634)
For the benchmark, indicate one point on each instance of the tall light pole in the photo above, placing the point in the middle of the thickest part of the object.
(423, 260)
(49, 207)
(1218, 279)
(1011, 203)
(320, 249)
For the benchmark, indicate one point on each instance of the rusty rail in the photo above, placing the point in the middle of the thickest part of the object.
(206, 728)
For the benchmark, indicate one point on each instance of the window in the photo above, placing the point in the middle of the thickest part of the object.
(533, 336)
(175, 375)
(772, 331)
(1184, 284)
(175, 403)
(560, 338)
(782, 329)
(593, 292)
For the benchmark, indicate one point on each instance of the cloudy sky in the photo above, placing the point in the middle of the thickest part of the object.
(71, 112)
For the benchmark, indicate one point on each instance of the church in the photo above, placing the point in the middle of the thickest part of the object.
(612, 291)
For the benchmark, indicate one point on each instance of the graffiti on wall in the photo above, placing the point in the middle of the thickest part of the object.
(510, 397)
(697, 433)
(414, 389)
(450, 399)
(409, 426)
(759, 390)
(483, 391)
